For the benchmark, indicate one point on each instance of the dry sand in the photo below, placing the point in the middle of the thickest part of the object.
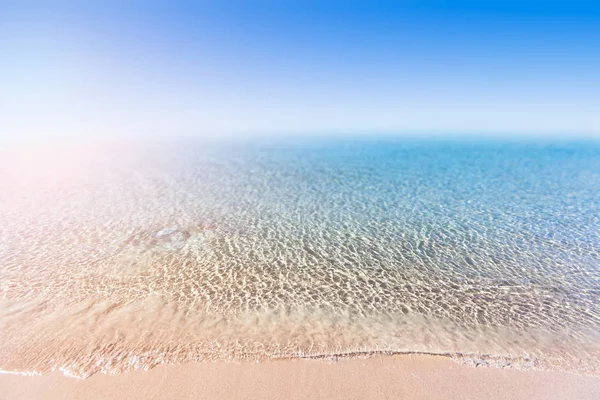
(384, 377)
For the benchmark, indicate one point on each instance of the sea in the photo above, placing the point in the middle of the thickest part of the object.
(120, 256)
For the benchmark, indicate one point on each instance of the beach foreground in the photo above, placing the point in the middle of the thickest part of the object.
(410, 376)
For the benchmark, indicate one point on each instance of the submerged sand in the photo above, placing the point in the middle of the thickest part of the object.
(397, 377)
(126, 257)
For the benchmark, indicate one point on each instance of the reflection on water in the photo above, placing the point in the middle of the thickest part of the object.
(126, 256)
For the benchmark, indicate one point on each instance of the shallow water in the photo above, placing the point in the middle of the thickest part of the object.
(125, 256)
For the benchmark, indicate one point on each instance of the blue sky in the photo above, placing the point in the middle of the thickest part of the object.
(131, 69)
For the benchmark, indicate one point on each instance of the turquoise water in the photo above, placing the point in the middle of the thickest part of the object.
(126, 256)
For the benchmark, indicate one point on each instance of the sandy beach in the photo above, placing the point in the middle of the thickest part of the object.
(382, 377)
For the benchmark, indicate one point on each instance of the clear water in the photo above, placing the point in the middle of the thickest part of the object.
(125, 256)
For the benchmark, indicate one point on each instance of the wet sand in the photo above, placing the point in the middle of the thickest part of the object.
(387, 377)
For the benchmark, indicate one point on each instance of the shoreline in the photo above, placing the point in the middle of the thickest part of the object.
(383, 376)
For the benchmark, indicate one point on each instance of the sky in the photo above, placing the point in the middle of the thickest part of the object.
(79, 69)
